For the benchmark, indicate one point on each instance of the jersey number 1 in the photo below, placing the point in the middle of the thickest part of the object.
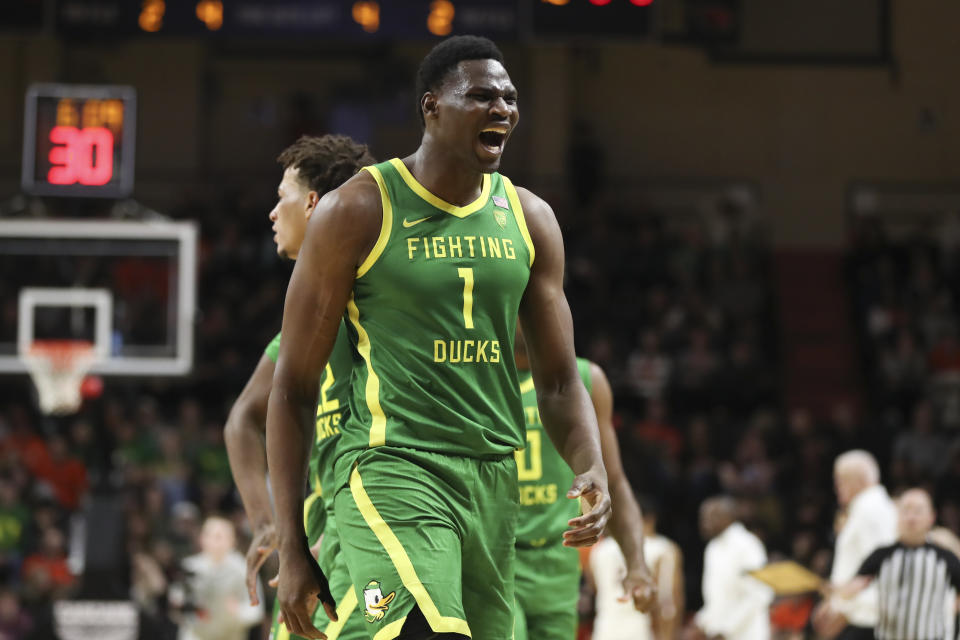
(467, 274)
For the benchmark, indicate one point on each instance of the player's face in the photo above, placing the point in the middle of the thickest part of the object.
(708, 521)
(476, 112)
(916, 515)
(289, 216)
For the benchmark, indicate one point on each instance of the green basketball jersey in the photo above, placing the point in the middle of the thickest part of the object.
(432, 318)
(332, 404)
(544, 475)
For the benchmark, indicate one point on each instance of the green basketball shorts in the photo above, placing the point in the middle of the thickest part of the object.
(427, 530)
(547, 590)
(350, 624)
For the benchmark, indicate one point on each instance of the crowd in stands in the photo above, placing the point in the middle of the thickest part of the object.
(680, 313)
(905, 281)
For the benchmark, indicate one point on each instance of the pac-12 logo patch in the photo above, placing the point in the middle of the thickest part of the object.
(500, 217)
(375, 603)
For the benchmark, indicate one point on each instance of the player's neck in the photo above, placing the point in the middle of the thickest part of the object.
(444, 175)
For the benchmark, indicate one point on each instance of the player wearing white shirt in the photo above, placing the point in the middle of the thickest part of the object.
(735, 605)
(871, 523)
(616, 617)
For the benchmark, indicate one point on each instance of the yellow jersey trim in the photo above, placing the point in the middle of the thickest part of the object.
(440, 203)
(391, 631)
(526, 385)
(401, 562)
(282, 633)
(348, 604)
(306, 508)
(378, 425)
(385, 227)
(518, 214)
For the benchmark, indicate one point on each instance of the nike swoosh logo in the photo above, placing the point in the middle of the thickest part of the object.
(411, 223)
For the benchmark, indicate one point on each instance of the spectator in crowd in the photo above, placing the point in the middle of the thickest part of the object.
(735, 605)
(66, 474)
(14, 520)
(216, 605)
(920, 454)
(15, 623)
(650, 368)
(48, 565)
(869, 522)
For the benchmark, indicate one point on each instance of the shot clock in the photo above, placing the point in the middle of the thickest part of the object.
(78, 140)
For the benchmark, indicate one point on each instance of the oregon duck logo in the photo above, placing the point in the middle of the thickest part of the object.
(376, 604)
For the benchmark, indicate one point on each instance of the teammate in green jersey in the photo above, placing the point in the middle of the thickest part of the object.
(431, 258)
(548, 574)
(312, 166)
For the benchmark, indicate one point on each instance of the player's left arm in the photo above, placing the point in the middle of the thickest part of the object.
(626, 522)
(565, 408)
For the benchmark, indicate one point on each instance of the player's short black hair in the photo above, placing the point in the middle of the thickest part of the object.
(325, 162)
(445, 57)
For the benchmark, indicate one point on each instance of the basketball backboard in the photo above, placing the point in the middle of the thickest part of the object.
(127, 287)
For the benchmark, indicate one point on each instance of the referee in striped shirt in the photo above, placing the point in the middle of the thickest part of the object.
(917, 581)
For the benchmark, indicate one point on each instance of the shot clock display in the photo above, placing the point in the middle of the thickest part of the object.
(79, 140)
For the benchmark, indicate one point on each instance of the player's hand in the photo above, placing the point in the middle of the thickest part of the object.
(263, 544)
(315, 549)
(827, 621)
(591, 488)
(640, 587)
(301, 586)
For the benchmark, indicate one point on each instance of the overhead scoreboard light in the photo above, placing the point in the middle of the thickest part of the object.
(79, 140)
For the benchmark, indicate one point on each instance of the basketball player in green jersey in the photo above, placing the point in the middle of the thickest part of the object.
(312, 166)
(431, 258)
(548, 574)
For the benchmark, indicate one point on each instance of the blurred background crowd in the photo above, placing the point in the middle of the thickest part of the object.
(687, 331)
(755, 317)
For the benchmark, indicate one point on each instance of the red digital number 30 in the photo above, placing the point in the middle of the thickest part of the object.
(81, 155)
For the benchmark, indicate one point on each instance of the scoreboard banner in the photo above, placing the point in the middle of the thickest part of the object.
(79, 140)
(353, 21)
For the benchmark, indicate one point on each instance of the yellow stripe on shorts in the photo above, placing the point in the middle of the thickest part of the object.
(348, 604)
(306, 509)
(401, 562)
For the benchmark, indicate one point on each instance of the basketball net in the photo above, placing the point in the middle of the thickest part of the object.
(58, 368)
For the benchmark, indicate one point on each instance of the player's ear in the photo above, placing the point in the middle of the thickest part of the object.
(312, 199)
(428, 105)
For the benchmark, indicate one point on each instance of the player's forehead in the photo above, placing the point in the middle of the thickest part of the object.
(488, 74)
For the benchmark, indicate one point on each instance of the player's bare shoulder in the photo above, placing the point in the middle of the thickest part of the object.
(358, 198)
(350, 215)
(543, 226)
(535, 209)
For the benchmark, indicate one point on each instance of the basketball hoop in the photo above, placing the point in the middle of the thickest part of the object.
(58, 368)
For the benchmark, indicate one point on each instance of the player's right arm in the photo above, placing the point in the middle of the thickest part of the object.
(341, 232)
(244, 437)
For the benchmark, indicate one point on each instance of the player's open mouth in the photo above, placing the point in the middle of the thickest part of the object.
(492, 139)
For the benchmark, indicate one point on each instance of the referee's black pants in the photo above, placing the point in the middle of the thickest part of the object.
(851, 632)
